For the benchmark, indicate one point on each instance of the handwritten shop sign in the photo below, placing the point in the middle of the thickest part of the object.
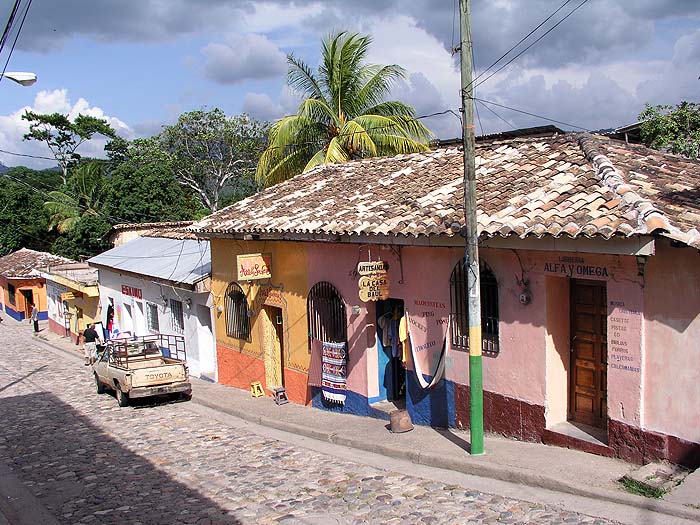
(374, 283)
(132, 292)
(624, 326)
(254, 266)
(575, 267)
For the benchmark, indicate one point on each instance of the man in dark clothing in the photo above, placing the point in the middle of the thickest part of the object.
(35, 318)
(90, 340)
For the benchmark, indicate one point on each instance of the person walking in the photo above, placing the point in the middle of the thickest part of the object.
(35, 318)
(90, 340)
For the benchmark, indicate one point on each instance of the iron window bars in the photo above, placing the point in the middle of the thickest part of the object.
(237, 319)
(459, 309)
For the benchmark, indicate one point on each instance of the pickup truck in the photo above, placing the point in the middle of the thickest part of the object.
(142, 367)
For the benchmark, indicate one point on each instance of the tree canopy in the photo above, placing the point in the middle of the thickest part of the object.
(64, 137)
(672, 128)
(344, 115)
(212, 154)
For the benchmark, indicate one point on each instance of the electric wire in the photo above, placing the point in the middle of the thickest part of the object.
(532, 44)
(21, 25)
(8, 26)
(530, 114)
(520, 41)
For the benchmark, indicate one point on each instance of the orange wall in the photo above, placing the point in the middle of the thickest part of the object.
(241, 362)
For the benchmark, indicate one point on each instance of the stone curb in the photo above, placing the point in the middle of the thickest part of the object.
(474, 467)
(17, 504)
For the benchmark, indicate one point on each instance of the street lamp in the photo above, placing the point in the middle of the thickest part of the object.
(21, 77)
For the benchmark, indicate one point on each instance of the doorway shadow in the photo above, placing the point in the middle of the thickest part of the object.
(79, 472)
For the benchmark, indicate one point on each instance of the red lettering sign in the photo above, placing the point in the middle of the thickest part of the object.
(132, 292)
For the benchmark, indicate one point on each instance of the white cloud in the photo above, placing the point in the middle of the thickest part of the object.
(13, 128)
(243, 58)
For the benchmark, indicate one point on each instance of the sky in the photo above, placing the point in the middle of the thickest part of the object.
(141, 63)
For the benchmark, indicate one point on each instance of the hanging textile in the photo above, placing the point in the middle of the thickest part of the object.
(315, 365)
(439, 369)
(334, 376)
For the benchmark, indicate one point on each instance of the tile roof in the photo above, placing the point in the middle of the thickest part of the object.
(23, 263)
(573, 185)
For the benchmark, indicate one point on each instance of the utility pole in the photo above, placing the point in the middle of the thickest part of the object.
(476, 388)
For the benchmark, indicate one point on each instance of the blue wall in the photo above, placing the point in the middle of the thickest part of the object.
(435, 407)
(17, 316)
(355, 404)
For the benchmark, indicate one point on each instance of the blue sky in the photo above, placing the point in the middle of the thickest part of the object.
(140, 63)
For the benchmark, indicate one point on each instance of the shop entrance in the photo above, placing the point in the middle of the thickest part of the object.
(589, 353)
(28, 302)
(392, 375)
(273, 342)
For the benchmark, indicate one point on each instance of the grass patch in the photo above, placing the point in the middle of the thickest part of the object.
(635, 487)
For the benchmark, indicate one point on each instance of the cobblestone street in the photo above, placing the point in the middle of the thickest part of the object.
(89, 461)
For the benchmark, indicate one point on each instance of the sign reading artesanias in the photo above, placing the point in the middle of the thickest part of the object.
(254, 266)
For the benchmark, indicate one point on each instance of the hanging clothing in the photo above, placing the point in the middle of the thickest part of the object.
(403, 338)
(393, 329)
(384, 321)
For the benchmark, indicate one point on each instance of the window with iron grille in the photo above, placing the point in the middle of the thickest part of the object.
(11, 294)
(325, 311)
(460, 309)
(237, 320)
(152, 316)
(177, 318)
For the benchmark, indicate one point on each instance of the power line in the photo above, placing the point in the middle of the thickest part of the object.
(519, 42)
(29, 3)
(530, 114)
(535, 42)
(26, 155)
(8, 26)
(497, 115)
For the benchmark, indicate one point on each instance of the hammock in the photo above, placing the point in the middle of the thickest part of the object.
(439, 369)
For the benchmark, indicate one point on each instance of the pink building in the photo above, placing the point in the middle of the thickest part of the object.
(590, 271)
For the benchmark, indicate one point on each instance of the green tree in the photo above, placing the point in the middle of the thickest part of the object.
(143, 188)
(64, 137)
(83, 195)
(212, 154)
(88, 237)
(672, 128)
(344, 115)
(23, 219)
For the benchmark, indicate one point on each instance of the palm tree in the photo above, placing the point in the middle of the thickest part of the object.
(344, 115)
(83, 195)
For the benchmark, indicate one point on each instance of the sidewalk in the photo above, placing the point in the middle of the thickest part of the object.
(531, 464)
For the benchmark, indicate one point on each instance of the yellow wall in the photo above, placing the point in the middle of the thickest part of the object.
(289, 276)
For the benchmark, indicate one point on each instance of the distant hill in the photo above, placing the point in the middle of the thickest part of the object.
(3, 168)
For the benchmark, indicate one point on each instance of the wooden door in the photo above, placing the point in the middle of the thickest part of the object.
(273, 338)
(589, 353)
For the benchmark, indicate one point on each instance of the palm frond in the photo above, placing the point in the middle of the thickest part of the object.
(377, 86)
(284, 166)
(318, 111)
(356, 141)
(316, 160)
(301, 78)
(336, 153)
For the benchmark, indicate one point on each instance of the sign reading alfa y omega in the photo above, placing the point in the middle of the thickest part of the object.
(254, 266)
(374, 281)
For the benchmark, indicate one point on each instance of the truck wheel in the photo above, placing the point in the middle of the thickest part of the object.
(185, 397)
(122, 398)
(99, 387)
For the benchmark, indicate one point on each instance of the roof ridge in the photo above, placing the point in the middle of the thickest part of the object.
(649, 217)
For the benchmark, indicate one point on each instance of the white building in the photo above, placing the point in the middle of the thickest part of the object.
(160, 285)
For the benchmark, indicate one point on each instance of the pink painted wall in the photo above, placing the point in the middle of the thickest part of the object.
(335, 263)
(672, 335)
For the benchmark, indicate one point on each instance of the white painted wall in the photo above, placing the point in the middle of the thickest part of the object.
(130, 314)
